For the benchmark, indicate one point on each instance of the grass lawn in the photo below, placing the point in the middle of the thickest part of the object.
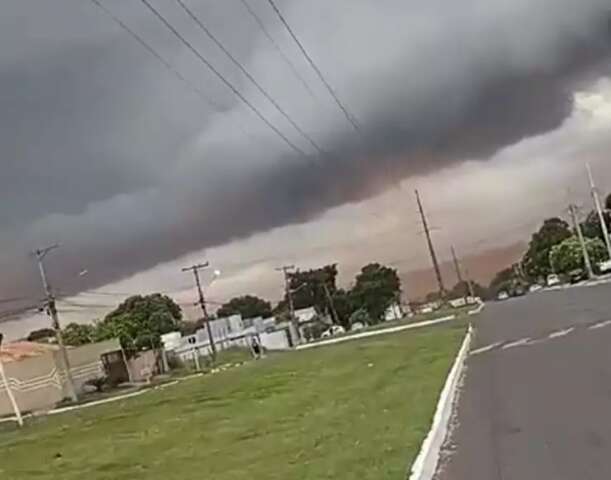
(358, 410)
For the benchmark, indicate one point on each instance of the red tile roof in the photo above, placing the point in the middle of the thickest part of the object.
(15, 351)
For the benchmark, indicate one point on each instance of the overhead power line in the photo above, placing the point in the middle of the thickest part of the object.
(229, 85)
(342, 107)
(173, 70)
(273, 42)
(248, 75)
(158, 56)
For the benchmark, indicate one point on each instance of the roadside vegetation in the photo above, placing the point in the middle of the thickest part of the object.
(355, 410)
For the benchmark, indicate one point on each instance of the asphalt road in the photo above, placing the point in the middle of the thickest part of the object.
(536, 402)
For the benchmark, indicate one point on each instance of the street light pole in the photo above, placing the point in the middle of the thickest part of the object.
(52, 310)
(7, 388)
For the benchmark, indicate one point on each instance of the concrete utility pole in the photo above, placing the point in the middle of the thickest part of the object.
(458, 272)
(469, 283)
(7, 388)
(442, 290)
(331, 304)
(202, 303)
(582, 242)
(286, 271)
(52, 310)
(599, 210)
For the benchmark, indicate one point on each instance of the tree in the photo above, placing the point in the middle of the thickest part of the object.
(360, 316)
(536, 261)
(41, 335)
(608, 202)
(248, 306)
(376, 288)
(345, 305)
(432, 297)
(77, 334)
(502, 281)
(568, 256)
(461, 289)
(312, 287)
(591, 226)
(140, 321)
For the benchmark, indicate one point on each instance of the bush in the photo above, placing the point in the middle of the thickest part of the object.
(98, 383)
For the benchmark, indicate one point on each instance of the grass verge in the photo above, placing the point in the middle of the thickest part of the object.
(354, 410)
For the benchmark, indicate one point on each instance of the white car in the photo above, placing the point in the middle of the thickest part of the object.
(332, 331)
(502, 296)
(605, 267)
(553, 280)
(357, 326)
(535, 288)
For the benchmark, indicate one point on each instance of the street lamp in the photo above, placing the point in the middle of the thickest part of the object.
(7, 387)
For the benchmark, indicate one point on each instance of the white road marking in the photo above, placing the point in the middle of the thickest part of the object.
(485, 349)
(517, 343)
(599, 325)
(561, 333)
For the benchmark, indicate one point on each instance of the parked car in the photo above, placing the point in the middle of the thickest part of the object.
(552, 280)
(502, 295)
(519, 291)
(605, 267)
(332, 331)
(577, 275)
(356, 326)
(535, 288)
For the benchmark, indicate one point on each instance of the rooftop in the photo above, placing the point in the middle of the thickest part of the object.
(15, 351)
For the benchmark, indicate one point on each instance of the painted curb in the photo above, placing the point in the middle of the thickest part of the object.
(425, 465)
(374, 333)
(478, 310)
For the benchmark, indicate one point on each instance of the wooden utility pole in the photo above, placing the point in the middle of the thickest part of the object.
(52, 311)
(429, 241)
(202, 303)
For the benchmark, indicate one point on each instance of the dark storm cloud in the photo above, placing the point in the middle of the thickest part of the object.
(107, 153)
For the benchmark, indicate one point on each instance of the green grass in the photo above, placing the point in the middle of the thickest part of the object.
(358, 410)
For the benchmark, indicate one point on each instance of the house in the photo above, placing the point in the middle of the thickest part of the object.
(228, 332)
(306, 315)
(35, 372)
(393, 312)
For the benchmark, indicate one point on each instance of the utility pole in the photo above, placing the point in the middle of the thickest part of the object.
(331, 304)
(469, 283)
(202, 303)
(7, 388)
(442, 290)
(584, 250)
(52, 310)
(599, 210)
(286, 270)
(457, 268)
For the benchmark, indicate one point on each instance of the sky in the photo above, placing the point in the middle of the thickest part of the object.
(489, 107)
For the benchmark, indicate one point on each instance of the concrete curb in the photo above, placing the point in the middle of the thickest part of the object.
(425, 465)
(477, 310)
(374, 333)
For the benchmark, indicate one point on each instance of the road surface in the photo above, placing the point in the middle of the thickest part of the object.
(536, 402)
